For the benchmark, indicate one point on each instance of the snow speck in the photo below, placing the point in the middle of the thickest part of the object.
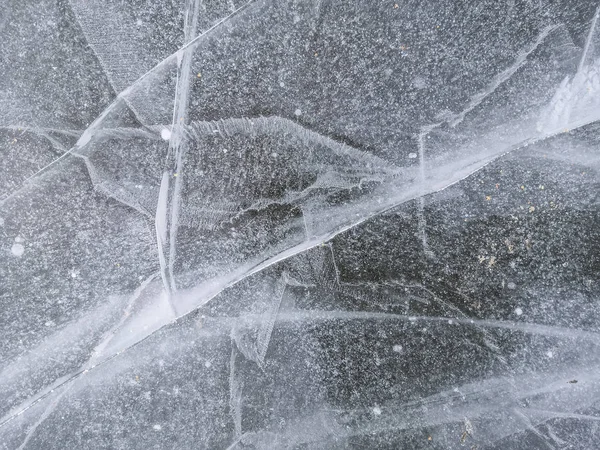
(17, 249)
(139, 22)
(412, 155)
(165, 134)
(282, 84)
(19, 239)
(377, 411)
(207, 364)
(397, 348)
(1, 221)
(511, 285)
(157, 427)
(420, 83)
(298, 112)
(549, 354)
(518, 311)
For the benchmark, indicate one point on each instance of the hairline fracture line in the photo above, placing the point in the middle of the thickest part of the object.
(70, 381)
(173, 56)
(87, 133)
(453, 119)
(588, 41)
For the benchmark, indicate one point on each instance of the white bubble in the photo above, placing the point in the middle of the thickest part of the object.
(165, 134)
(1, 221)
(282, 84)
(518, 311)
(19, 239)
(17, 249)
(377, 411)
(139, 22)
(157, 427)
(207, 364)
(511, 285)
(549, 354)
(298, 112)
(397, 348)
(412, 155)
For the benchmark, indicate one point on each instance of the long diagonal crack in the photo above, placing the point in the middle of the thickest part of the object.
(240, 275)
(196, 299)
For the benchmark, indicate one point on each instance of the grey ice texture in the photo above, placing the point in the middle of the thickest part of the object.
(299, 224)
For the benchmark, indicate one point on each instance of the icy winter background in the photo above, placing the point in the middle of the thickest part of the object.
(299, 224)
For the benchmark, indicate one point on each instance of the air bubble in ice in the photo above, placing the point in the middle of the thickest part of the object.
(165, 134)
(17, 249)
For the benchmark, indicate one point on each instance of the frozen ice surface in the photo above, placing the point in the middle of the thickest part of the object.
(299, 224)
